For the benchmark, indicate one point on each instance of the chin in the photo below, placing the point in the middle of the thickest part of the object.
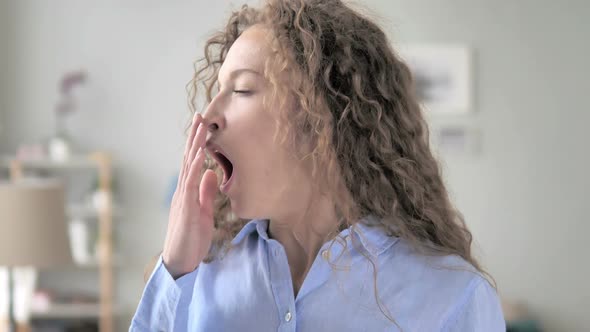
(239, 210)
(245, 211)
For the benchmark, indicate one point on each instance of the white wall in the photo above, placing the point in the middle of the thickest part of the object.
(4, 35)
(522, 195)
(139, 57)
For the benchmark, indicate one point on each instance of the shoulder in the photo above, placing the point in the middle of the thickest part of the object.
(454, 292)
(450, 271)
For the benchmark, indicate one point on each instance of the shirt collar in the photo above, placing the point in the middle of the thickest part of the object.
(371, 236)
(259, 225)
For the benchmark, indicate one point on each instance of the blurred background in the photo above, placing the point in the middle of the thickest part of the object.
(81, 77)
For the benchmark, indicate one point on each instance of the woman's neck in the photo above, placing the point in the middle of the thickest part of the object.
(303, 235)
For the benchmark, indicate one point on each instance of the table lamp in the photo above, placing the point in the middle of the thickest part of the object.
(33, 235)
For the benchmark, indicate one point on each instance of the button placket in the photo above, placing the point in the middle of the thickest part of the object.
(282, 287)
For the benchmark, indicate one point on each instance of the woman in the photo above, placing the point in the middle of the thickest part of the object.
(331, 213)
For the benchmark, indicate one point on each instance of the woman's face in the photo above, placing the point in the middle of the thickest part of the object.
(262, 178)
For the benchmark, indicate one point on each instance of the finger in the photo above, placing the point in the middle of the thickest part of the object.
(194, 177)
(197, 119)
(207, 192)
(198, 142)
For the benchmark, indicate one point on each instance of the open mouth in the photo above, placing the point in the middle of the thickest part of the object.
(223, 162)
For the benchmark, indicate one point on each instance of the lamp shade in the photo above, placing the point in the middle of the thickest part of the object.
(33, 229)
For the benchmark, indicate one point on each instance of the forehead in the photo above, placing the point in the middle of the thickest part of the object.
(249, 51)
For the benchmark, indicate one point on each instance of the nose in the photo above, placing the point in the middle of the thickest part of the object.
(214, 118)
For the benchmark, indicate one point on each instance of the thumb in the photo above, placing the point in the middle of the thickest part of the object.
(207, 192)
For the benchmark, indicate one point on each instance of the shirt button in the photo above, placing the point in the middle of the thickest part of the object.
(288, 316)
(326, 254)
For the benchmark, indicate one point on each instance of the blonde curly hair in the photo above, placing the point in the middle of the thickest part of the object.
(371, 146)
(371, 149)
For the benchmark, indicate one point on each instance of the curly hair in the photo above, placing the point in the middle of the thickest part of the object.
(356, 103)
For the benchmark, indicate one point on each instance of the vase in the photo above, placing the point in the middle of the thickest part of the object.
(59, 149)
(79, 241)
(60, 146)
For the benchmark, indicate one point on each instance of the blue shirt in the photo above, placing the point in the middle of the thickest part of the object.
(250, 289)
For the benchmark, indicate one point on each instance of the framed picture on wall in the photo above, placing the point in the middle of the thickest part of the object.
(442, 76)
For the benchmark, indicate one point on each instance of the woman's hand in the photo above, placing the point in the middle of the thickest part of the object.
(190, 224)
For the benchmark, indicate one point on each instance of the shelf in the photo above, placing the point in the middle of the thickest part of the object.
(95, 264)
(78, 161)
(86, 211)
(69, 311)
(91, 264)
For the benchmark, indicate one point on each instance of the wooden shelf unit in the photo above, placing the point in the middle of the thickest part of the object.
(102, 163)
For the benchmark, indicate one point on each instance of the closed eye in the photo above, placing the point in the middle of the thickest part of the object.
(243, 92)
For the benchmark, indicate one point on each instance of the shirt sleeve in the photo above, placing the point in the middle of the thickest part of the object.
(164, 303)
(480, 311)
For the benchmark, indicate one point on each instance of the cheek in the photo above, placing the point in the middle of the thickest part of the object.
(262, 166)
(266, 174)
(256, 195)
(270, 186)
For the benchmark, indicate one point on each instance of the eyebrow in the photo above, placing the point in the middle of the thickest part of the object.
(237, 72)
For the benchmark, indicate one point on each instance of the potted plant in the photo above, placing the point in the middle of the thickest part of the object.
(60, 144)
